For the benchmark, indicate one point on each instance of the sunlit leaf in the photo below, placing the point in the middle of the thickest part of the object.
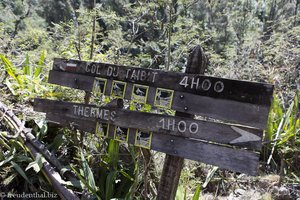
(113, 153)
(37, 164)
(9, 67)
(197, 193)
(27, 68)
(38, 70)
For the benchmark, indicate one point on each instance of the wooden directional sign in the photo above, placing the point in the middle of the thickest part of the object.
(232, 146)
(224, 99)
(173, 135)
(164, 124)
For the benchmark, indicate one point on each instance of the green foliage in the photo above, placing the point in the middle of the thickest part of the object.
(197, 193)
(284, 131)
(28, 82)
(244, 39)
(87, 172)
(14, 159)
(10, 70)
(37, 164)
(20, 171)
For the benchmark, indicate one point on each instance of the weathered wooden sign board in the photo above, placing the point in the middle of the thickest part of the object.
(172, 135)
(230, 146)
(149, 122)
(224, 99)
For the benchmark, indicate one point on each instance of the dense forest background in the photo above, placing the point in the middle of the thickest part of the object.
(256, 40)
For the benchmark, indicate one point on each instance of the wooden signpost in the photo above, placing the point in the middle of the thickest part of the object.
(231, 141)
(224, 99)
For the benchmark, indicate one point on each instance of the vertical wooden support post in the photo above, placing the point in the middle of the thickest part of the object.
(197, 64)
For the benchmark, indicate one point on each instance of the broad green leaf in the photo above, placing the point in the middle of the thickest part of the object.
(22, 158)
(78, 174)
(37, 164)
(20, 171)
(21, 80)
(113, 153)
(37, 72)
(88, 174)
(84, 182)
(58, 141)
(197, 193)
(39, 67)
(42, 124)
(27, 68)
(8, 67)
(110, 184)
(42, 58)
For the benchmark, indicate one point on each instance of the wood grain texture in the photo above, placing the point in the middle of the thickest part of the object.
(164, 124)
(75, 81)
(197, 63)
(243, 91)
(238, 160)
(170, 177)
(222, 109)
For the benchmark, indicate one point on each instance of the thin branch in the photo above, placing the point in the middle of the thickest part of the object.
(76, 25)
(36, 146)
(53, 177)
(93, 31)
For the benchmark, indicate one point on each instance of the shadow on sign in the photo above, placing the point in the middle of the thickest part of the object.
(121, 134)
(99, 86)
(143, 139)
(118, 89)
(163, 98)
(102, 129)
(139, 93)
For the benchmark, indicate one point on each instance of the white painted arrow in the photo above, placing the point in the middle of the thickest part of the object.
(245, 136)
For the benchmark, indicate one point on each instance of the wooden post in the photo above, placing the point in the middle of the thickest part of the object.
(197, 64)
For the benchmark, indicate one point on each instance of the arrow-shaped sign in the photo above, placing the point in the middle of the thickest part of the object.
(172, 125)
(245, 136)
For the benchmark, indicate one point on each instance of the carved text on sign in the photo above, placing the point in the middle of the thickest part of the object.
(130, 74)
(94, 112)
(205, 85)
(182, 126)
